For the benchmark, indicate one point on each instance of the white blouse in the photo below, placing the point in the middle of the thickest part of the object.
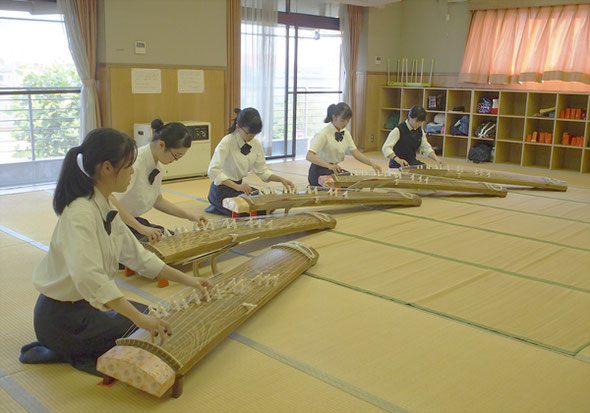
(140, 195)
(326, 147)
(83, 257)
(394, 136)
(228, 162)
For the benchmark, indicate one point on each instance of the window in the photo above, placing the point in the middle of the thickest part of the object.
(311, 75)
(39, 96)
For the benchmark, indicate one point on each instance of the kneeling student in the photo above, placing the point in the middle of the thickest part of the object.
(328, 146)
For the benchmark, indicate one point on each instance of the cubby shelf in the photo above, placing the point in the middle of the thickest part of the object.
(515, 119)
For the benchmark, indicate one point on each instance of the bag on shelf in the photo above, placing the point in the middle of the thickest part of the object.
(461, 127)
(481, 152)
(485, 105)
(486, 130)
(432, 127)
(436, 102)
(392, 121)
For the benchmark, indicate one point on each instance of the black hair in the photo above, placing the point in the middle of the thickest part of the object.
(173, 134)
(341, 109)
(100, 145)
(247, 118)
(417, 112)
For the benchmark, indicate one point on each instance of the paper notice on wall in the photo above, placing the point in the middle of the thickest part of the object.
(191, 81)
(146, 81)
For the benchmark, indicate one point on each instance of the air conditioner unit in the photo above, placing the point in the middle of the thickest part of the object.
(196, 160)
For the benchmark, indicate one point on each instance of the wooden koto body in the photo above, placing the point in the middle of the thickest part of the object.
(200, 322)
(269, 202)
(184, 245)
(411, 181)
(498, 177)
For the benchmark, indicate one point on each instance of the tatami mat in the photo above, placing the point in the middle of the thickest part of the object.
(17, 300)
(232, 378)
(465, 304)
(414, 358)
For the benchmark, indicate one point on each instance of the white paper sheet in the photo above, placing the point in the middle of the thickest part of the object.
(146, 81)
(191, 81)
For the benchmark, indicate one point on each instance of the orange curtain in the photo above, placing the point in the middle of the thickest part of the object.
(86, 14)
(355, 21)
(234, 8)
(529, 44)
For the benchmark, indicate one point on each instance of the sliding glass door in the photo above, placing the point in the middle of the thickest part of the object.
(310, 75)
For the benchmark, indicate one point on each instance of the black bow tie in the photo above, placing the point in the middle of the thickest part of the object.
(107, 224)
(153, 175)
(245, 149)
(339, 136)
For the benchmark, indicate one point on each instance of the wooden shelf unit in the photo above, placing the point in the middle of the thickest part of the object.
(515, 119)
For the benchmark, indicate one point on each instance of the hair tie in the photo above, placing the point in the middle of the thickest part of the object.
(80, 162)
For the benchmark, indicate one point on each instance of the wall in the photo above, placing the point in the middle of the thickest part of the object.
(383, 36)
(177, 32)
(436, 37)
(415, 29)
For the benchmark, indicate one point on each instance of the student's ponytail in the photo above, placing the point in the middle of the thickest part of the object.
(72, 180)
(173, 134)
(248, 118)
(77, 177)
(329, 114)
(341, 109)
(232, 127)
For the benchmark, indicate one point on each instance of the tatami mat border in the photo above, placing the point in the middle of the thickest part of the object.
(318, 374)
(20, 395)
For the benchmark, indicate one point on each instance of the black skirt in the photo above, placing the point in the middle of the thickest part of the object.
(217, 193)
(77, 331)
(315, 171)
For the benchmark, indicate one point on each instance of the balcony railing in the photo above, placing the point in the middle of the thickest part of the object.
(38, 123)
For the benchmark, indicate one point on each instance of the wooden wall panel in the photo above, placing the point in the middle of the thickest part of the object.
(123, 108)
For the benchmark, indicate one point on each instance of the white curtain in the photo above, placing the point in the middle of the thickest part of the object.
(259, 20)
(344, 32)
(88, 108)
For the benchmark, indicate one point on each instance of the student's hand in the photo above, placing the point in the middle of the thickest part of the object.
(336, 168)
(287, 184)
(153, 234)
(245, 188)
(402, 162)
(199, 283)
(155, 326)
(198, 218)
(376, 168)
(440, 162)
